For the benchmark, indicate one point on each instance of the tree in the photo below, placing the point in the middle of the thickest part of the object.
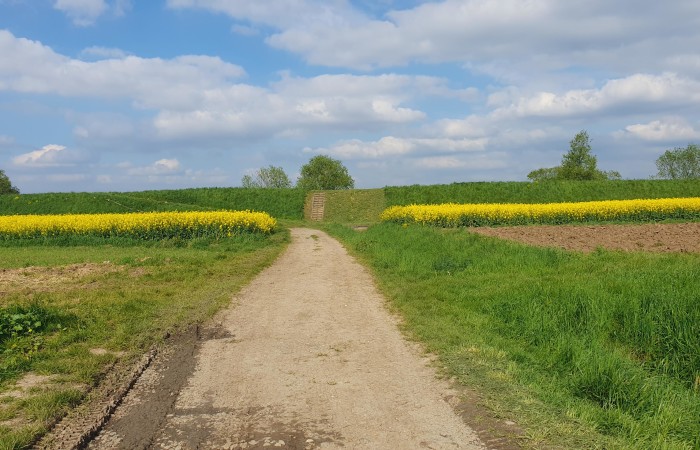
(6, 186)
(577, 164)
(324, 173)
(548, 173)
(267, 177)
(679, 163)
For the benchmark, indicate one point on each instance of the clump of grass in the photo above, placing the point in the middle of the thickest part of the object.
(583, 350)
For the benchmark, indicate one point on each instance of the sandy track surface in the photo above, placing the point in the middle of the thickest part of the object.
(307, 357)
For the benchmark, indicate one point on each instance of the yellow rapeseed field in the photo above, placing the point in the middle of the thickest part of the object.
(152, 225)
(486, 214)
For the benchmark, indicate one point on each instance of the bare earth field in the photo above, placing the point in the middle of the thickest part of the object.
(306, 357)
(672, 237)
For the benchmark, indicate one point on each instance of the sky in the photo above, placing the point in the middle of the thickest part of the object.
(125, 95)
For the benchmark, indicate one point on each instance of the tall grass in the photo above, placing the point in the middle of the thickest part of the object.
(542, 192)
(584, 350)
(280, 203)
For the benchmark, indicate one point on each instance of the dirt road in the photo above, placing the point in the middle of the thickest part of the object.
(306, 357)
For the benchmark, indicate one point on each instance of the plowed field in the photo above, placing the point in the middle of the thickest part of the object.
(670, 237)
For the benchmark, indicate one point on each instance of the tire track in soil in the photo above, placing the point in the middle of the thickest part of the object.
(306, 357)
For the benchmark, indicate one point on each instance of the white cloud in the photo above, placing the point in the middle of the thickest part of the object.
(6, 140)
(86, 12)
(82, 12)
(508, 39)
(668, 129)
(638, 91)
(48, 156)
(150, 82)
(97, 52)
(197, 96)
(390, 147)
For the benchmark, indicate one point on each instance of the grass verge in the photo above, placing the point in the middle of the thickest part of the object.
(78, 308)
(592, 350)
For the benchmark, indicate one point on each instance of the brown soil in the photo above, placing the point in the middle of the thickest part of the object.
(306, 358)
(675, 237)
(46, 279)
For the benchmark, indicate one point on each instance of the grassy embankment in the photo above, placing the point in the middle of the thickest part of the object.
(280, 203)
(69, 307)
(593, 350)
(548, 192)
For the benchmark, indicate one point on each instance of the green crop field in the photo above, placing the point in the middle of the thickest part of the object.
(543, 192)
(280, 203)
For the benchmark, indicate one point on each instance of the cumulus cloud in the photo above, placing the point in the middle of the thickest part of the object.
(96, 52)
(82, 12)
(195, 96)
(509, 39)
(86, 12)
(668, 129)
(150, 82)
(51, 155)
(634, 91)
(390, 146)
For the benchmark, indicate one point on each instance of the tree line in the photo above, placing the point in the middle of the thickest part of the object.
(325, 173)
(321, 173)
(580, 164)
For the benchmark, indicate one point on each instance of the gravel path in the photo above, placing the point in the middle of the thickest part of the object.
(306, 357)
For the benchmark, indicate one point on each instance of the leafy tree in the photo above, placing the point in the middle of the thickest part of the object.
(324, 173)
(6, 186)
(577, 164)
(679, 163)
(267, 177)
(548, 173)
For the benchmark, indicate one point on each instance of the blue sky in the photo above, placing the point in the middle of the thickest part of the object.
(118, 95)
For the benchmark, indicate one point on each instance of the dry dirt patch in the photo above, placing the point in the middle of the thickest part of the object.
(46, 279)
(671, 237)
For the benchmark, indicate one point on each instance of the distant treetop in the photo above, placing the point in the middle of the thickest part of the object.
(679, 163)
(6, 186)
(324, 173)
(577, 164)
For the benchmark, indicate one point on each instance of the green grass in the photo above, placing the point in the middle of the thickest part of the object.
(354, 207)
(595, 350)
(542, 192)
(280, 203)
(129, 296)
